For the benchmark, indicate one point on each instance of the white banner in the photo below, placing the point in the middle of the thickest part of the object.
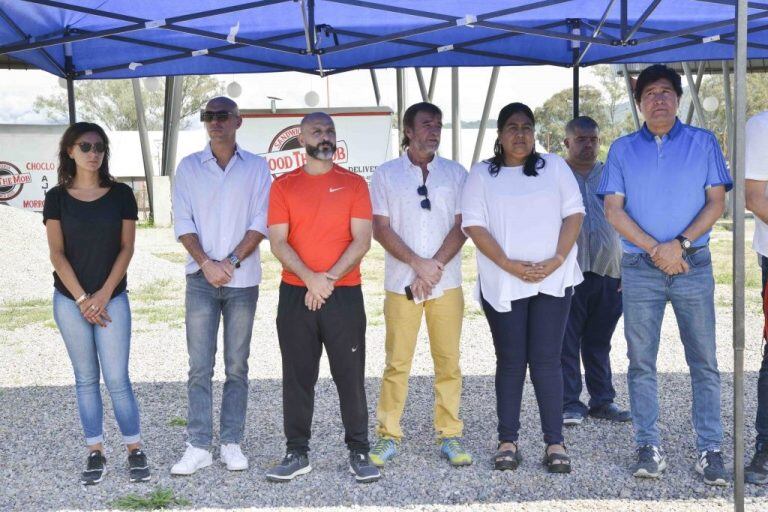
(363, 137)
(28, 160)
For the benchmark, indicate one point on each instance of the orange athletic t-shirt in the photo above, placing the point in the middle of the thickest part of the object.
(318, 210)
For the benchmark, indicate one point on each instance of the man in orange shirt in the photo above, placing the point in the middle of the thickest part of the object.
(320, 228)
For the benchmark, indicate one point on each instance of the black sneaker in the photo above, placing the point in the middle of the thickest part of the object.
(757, 471)
(651, 461)
(710, 464)
(138, 466)
(95, 469)
(293, 465)
(610, 412)
(360, 466)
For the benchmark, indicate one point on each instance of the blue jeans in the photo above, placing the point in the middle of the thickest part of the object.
(595, 311)
(94, 350)
(761, 421)
(646, 291)
(205, 306)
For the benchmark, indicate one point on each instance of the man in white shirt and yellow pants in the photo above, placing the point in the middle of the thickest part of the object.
(417, 219)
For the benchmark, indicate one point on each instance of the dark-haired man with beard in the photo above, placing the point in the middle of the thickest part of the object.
(320, 228)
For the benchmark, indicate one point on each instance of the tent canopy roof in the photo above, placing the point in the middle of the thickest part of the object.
(133, 38)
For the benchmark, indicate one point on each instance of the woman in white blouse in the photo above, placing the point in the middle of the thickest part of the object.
(523, 210)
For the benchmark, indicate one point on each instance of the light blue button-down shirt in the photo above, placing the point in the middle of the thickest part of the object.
(664, 180)
(599, 244)
(221, 205)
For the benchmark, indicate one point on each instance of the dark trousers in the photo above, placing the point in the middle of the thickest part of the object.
(531, 335)
(761, 422)
(595, 311)
(339, 325)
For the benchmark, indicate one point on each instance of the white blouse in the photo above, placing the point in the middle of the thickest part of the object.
(524, 215)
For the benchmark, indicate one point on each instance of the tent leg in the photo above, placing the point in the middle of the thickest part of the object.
(375, 82)
(728, 126)
(486, 113)
(69, 69)
(400, 84)
(694, 95)
(576, 91)
(432, 84)
(455, 115)
(146, 151)
(628, 83)
(422, 85)
(171, 115)
(691, 106)
(738, 255)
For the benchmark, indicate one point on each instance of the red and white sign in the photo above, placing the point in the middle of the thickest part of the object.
(28, 163)
(363, 137)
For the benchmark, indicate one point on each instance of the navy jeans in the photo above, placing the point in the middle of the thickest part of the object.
(761, 422)
(205, 307)
(530, 335)
(595, 311)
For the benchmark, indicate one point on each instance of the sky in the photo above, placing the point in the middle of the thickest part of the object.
(531, 85)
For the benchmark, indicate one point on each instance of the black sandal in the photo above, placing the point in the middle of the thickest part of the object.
(507, 459)
(557, 462)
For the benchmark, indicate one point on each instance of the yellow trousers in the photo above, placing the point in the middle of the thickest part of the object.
(403, 319)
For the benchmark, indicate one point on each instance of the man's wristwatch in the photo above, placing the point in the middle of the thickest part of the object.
(234, 260)
(684, 242)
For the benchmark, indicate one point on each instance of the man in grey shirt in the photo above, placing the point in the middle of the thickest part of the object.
(596, 306)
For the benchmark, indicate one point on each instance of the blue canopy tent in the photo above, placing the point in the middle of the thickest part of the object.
(103, 39)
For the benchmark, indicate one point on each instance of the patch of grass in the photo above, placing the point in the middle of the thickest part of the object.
(160, 498)
(171, 314)
(177, 421)
(16, 314)
(173, 257)
(146, 224)
(159, 290)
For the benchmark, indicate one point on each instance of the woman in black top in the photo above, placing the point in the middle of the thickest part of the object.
(90, 220)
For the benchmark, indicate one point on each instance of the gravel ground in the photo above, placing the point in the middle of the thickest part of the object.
(42, 446)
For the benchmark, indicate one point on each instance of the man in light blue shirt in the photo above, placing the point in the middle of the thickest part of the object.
(664, 188)
(220, 197)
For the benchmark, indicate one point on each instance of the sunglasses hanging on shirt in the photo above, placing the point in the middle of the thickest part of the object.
(98, 147)
(422, 190)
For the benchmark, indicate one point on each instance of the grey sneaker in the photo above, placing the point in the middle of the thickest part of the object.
(360, 466)
(757, 471)
(138, 466)
(710, 464)
(95, 469)
(571, 419)
(292, 465)
(651, 461)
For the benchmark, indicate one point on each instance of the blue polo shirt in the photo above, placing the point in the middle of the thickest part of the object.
(664, 179)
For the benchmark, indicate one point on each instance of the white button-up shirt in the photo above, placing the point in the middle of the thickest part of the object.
(524, 215)
(221, 205)
(394, 194)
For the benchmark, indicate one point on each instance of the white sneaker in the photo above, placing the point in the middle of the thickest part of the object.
(233, 457)
(192, 460)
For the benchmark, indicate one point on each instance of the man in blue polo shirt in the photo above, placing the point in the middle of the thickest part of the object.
(664, 188)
